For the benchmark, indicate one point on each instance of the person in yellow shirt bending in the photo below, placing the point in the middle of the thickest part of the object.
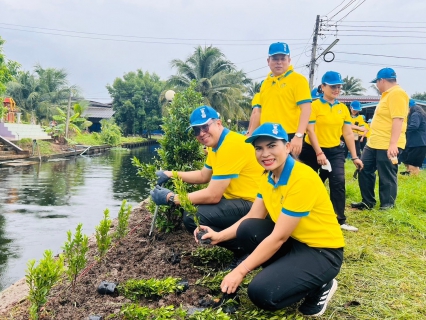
(284, 97)
(358, 127)
(291, 231)
(386, 141)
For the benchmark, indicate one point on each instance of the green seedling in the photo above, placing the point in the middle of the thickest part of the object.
(187, 205)
(40, 280)
(213, 256)
(75, 250)
(135, 312)
(103, 239)
(136, 289)
(123, 220)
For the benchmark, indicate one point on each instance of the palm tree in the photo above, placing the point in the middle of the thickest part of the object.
(352, 86)
(373, 86)
(218, 80)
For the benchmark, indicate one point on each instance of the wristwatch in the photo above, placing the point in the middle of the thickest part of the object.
(171, 201)
(298, 135)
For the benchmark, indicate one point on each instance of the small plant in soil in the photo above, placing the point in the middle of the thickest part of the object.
(150, 288)
(213, 256)
(123, 220)
(40, 280)
(135, 312)
(187, 205)
(103, 239)
(75, 249)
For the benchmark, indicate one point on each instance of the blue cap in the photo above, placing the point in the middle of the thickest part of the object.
(412, 103)
(385, 73)
(268, 129)
(356, 105)
(332, 78)
(202, 115)
(315, 94)
(279, 48)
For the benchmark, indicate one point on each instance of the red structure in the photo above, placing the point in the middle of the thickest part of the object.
(10, 104)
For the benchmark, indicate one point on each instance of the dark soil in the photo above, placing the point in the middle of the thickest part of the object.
(137, 256)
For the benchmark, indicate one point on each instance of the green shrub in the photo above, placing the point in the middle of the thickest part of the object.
(103, 239)
(75, 250)
(40, 280)
(135, 289)
(110, 133)
(123, 220)
(212, 255)
(135, 312)
(179, 151)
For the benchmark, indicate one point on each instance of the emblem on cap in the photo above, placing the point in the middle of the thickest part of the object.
(275, 129)
(203, 113)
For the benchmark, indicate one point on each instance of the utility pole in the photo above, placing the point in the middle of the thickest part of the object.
(67, 123)
(313, 54)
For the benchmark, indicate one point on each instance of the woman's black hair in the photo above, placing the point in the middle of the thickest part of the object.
(320, 89)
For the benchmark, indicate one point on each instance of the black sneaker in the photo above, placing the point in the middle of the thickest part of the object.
(316, 305)
(236, 262)
(360, 206)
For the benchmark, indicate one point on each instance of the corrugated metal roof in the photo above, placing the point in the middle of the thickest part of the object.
(99, 112)
(359, 98)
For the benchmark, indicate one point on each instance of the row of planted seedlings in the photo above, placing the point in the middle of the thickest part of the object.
(50, 271)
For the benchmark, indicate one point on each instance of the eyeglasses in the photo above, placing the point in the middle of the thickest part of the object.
(205, 128)
(336, 86)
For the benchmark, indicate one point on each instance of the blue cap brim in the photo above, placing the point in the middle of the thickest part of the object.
(252, 138)
(374, 81)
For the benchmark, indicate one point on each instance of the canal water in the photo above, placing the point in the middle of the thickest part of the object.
(40, 203)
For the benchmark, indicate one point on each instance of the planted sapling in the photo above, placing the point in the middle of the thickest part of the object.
(123, 220)
(187, 205)
(103, 239)
(40, 280)
(75, 250)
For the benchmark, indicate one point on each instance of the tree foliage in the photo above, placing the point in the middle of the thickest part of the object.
(179, 151)
(419, 96)
(217, 79)
(8, 69)
(352, 87)
(136, 102)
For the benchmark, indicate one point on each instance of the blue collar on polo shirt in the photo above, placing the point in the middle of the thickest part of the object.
(284, 75)
(222, 137)
(285, 174)
(331, 105)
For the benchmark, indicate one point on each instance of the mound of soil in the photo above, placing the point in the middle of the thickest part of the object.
(137, 256)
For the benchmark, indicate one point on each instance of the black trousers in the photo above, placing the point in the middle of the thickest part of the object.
(293, 272)
(336, 178)
(220, 216)
(375, 159)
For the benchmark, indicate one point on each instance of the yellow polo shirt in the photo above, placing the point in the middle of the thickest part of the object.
(234, 159)
(255, 103)
(361, 123)
(301, 193)
(368, 134)
(393, 104)
(280, 98)
(329, 120)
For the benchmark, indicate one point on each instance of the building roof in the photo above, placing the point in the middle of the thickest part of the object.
(421, 103)
(99, 110)
(362, 99)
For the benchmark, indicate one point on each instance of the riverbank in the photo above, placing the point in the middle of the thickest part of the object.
(382, 276)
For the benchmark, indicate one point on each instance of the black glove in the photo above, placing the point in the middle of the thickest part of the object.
(159, 195)
(162, 178)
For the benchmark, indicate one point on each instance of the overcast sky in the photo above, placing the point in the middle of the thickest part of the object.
(148, 34)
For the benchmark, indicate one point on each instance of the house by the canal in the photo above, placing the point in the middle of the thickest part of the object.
(96, 112)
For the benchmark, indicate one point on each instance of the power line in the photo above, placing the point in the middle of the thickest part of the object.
(386, 31)
(380, 55)
(372, 35)
(395, 27)
(380, 21)
(352, 10)
(346, 6)
(125, 36)
(378, 64)
(335, 7)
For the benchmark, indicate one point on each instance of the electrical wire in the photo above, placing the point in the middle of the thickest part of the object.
(386, 31)
(351, 11)
(336, 7)
(126, 36)
(380, 21)
(380, 55)
(379, 64)
(346, 6)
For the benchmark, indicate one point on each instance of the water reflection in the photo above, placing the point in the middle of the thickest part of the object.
(39, 203)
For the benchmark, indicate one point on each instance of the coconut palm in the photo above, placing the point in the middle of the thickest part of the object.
(218, 80)
(352, 87)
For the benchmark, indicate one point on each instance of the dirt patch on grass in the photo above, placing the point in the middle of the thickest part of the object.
(137, 256)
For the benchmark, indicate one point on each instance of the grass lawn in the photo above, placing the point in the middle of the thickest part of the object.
(384, 269)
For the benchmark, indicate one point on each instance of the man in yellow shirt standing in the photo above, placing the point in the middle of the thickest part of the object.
(386, 141)
(284, 97)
